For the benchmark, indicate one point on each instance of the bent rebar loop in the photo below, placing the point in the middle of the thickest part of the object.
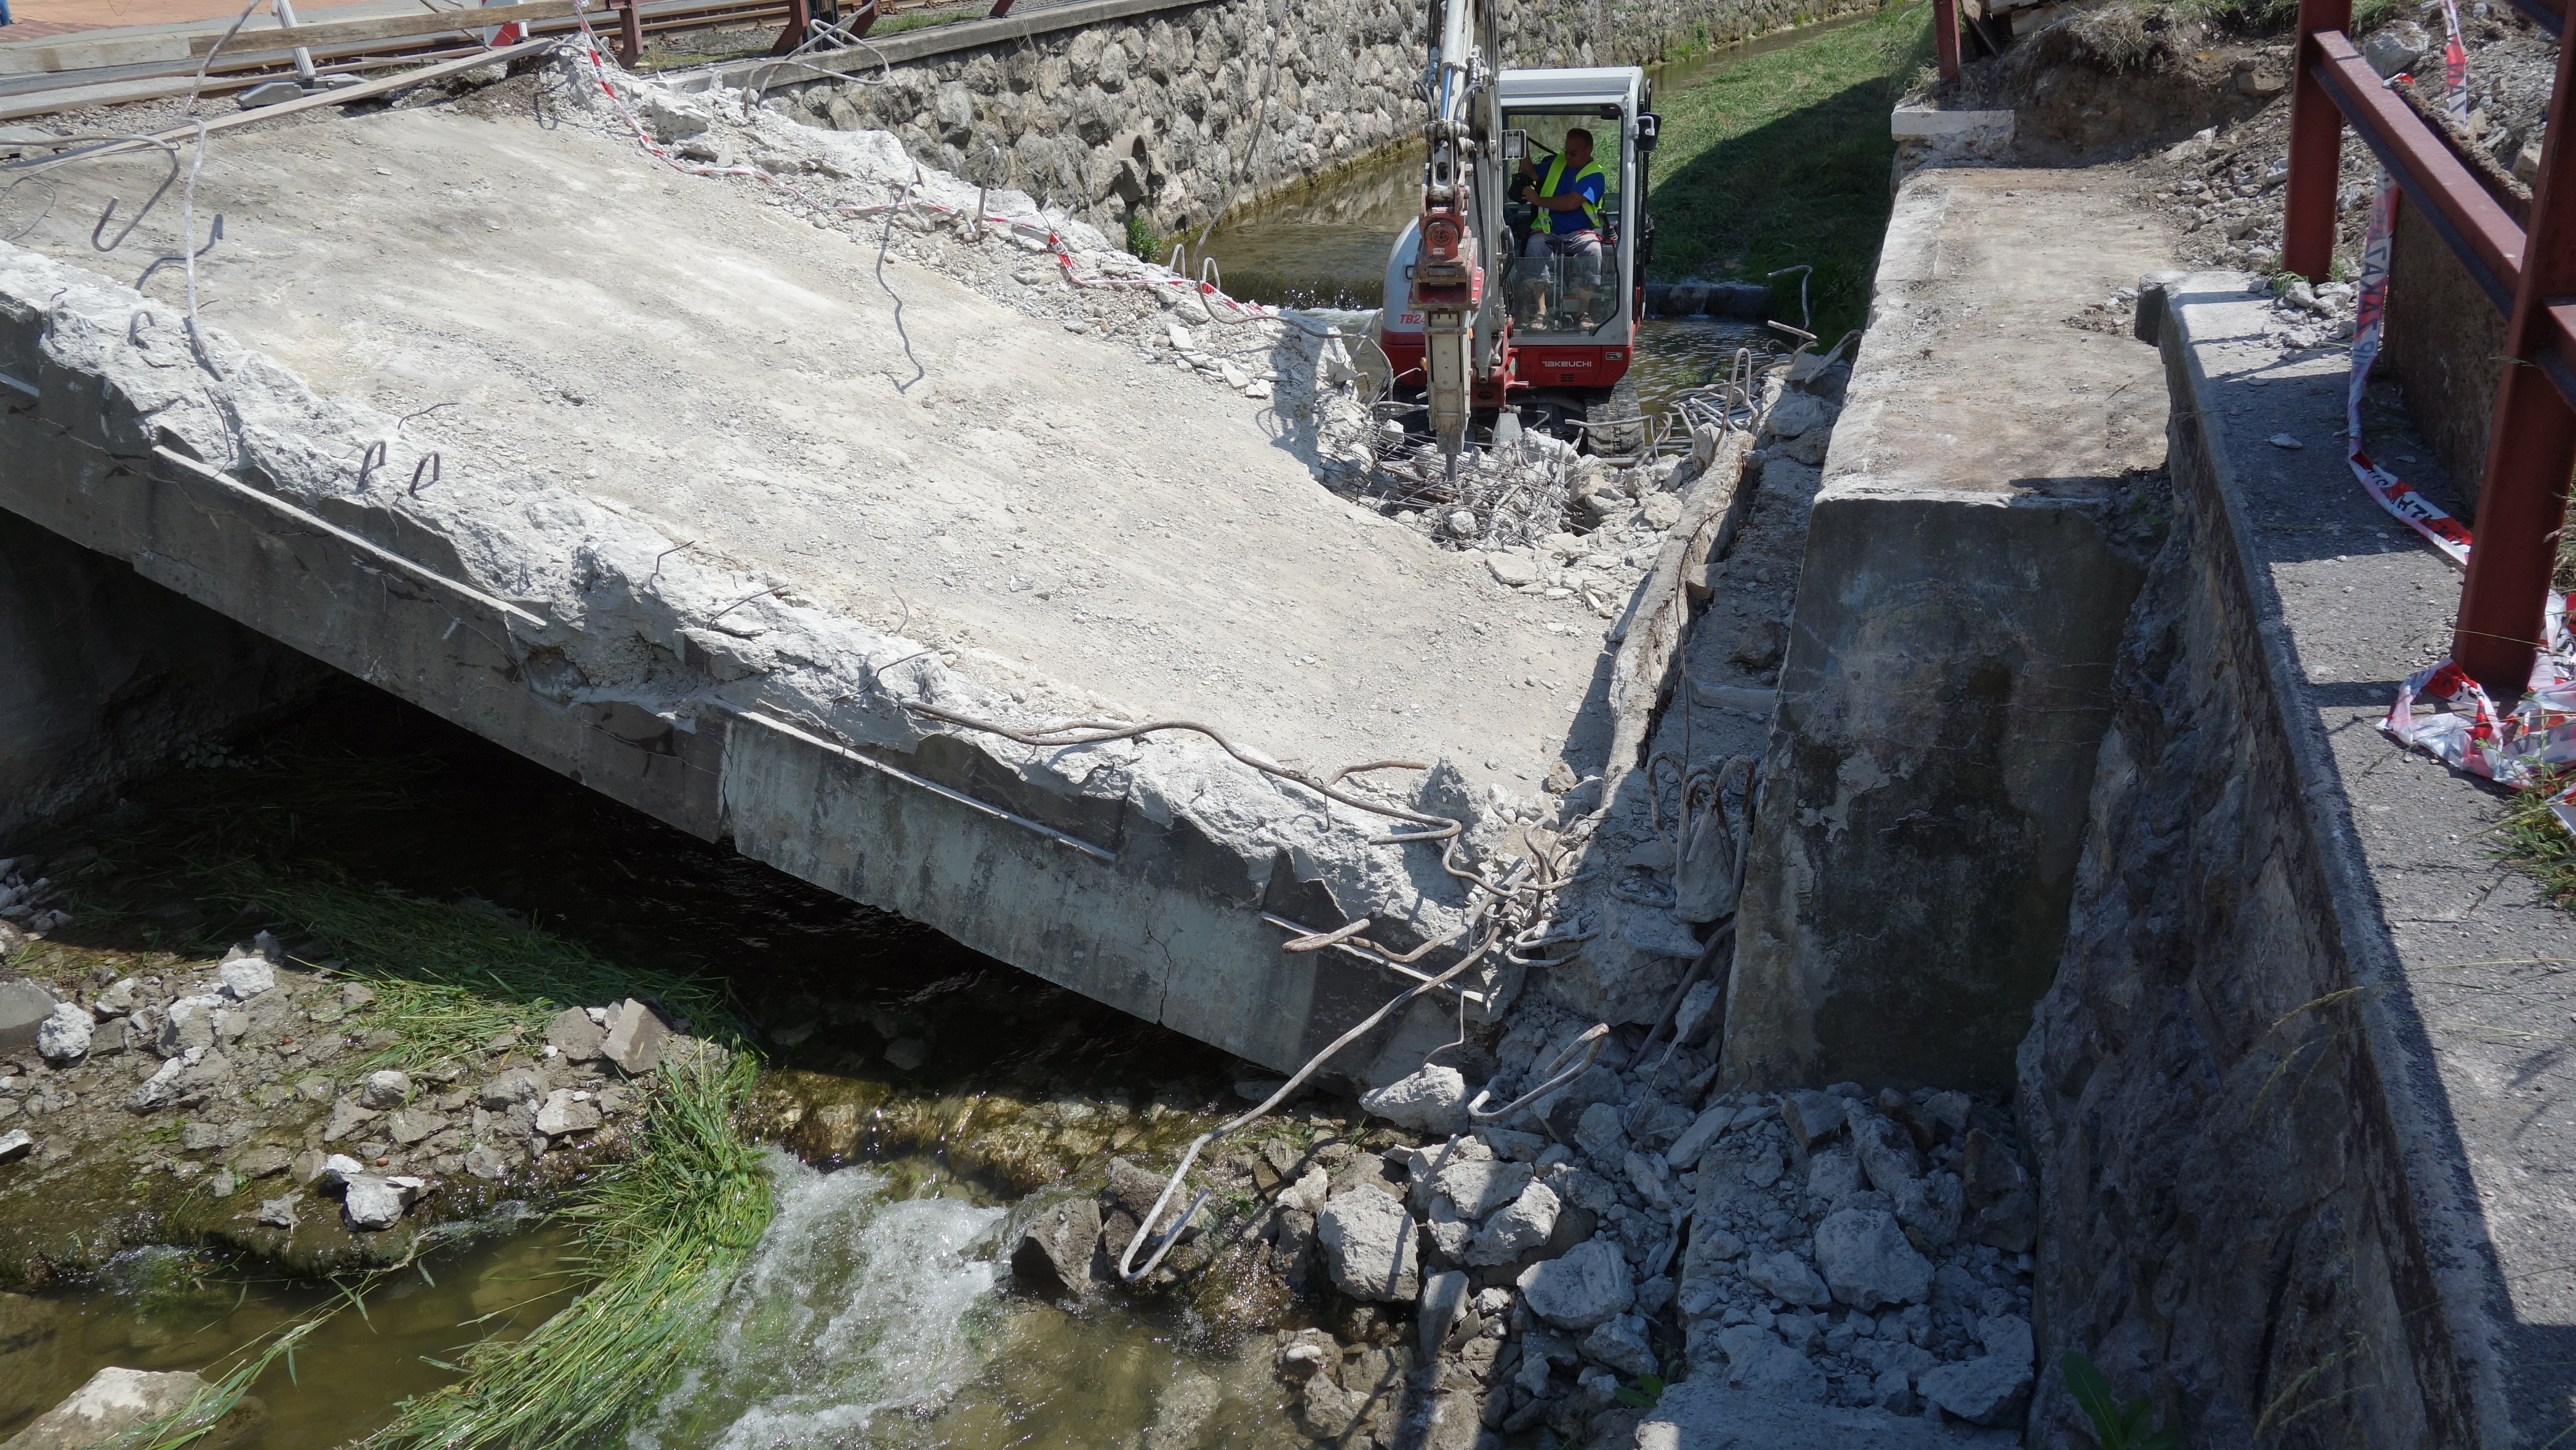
(1128, 1271)
(1559, 1074)
(1094, 732)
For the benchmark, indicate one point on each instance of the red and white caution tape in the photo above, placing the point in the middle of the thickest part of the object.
(2514, 747)
(2395, 494)
(2511, 747)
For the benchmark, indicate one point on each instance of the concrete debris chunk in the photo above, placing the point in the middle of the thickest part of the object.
(1760, 1364)
(1621, 1344)
(24, 1006)
(1479, 1186)
(411, 1125)
(1445, 1297)
(15, 1144)
(1812, 1117)
(1056, 1250)
(1368, 1243)
(635, 1042)
(1994, 1388)
(1867, 1261)
(245, 976)
(63, 1038)
(336, 1172)
(1433, 1100)
(1833, 1175)
(1590, 1285)
(1932, 1206)
(1786, 1277)
(1703, 1130)
(1602, 1133)
(1887, 1153)
(1512, 570)
(2010, 1224)
(347, 1121)
(1523, 1225)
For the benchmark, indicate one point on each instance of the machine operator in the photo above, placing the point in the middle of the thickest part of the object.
(1570, 196)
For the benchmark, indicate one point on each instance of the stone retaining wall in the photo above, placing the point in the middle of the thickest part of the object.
(1174, 114)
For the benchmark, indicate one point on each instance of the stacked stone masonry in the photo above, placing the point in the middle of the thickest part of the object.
(1176, 114)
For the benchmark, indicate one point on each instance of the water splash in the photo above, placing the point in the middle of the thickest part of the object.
(854, 1307)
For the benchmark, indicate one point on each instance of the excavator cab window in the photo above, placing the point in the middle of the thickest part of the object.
(1558, 282)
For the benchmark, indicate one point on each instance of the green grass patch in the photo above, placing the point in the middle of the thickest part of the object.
(2532, 839)
(663, 1232)
(449, 978)
(1784, 159)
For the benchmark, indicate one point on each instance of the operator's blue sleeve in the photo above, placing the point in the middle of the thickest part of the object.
(1592, 187)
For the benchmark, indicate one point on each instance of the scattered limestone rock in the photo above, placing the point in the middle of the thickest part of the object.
(1812, 1117)
(24, 1006)
(1867, 1261)
(1055, 1251)
(375, 1203)
(15, 1144)
(245, 976)
(1886, 1152)
(264, 1161)
(1433, 1100)
(510, 1089)
(567, 1111)
(63, 1037)
(575, 1035)
(1994, 1388)
(1786, 1277)
(1590, 1285)
(116, 1399)
(1757, 1362)
(385, 1089)
(279, 1212)
(1480, 1186)
(634, 1041)
(1368, 1243)
(907, 1053)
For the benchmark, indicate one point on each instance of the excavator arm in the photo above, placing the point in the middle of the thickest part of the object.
(1464, 242)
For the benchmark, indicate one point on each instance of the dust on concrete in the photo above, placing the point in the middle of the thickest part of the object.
(1025, 486)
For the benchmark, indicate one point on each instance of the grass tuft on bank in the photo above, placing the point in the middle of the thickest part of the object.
(665, 1232)
(1783, 159)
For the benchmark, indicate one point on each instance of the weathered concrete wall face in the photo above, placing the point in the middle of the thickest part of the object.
(1939, 711)
(2207, 1087)
(2443, 342)
(102, 672)
(1969, 565)
(1174, 114)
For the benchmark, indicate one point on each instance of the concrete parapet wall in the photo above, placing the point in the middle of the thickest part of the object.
(1174, 114)
(2254, 1216)
(1967, 573)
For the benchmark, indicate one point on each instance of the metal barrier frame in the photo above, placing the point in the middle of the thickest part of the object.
(2530, 278)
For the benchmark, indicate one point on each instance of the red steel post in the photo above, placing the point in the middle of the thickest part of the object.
(800, 23)
(630, 33)
(2531, 445)
(2316, 148)
(1945, 36)
(1000, 9)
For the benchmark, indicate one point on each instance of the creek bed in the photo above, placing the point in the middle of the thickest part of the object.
(879, 1307)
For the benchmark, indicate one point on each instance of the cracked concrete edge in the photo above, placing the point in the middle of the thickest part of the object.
(608, 653)
(2443, 1215)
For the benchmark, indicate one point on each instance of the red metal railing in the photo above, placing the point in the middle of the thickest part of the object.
(1945, 36)
(2529, 277)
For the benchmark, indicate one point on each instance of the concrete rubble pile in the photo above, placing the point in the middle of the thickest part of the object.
(250, 1054)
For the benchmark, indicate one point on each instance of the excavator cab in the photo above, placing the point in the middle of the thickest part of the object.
(1554, 333)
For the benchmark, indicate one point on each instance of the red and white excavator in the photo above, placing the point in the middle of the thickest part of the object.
(1472, 325)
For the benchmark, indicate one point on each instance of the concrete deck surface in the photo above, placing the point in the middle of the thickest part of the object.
(1093, 532)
